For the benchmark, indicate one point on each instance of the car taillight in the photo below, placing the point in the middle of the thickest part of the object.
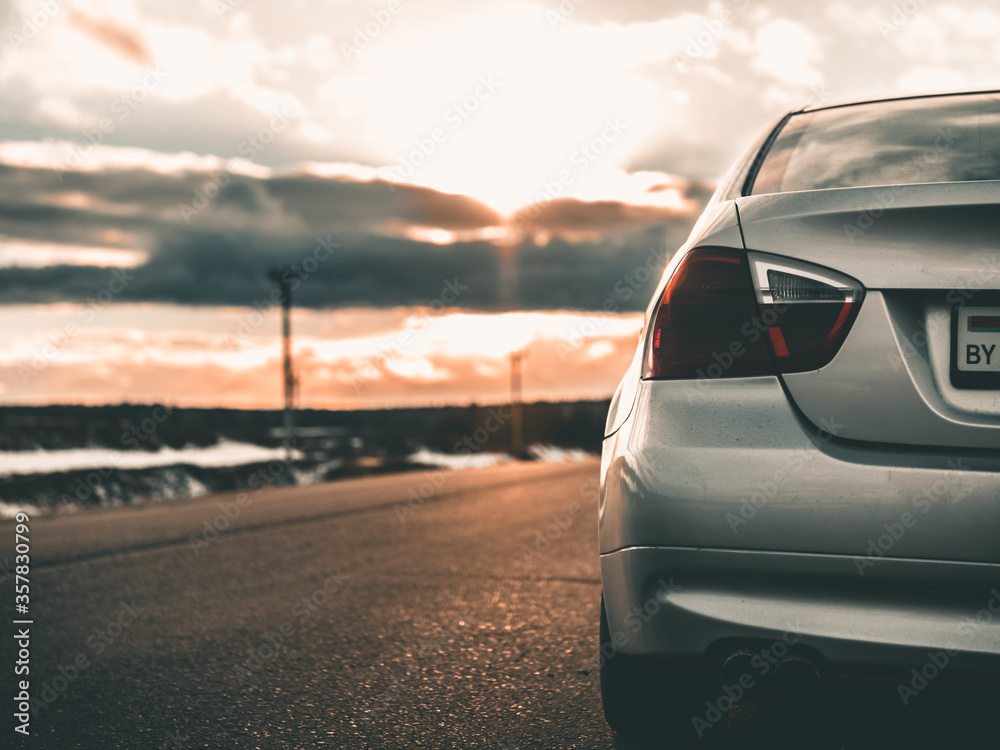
(698, 329)
(727, 313)
(808, 310)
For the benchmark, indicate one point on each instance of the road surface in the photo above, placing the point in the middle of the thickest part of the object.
(432, 610)
(352, 614)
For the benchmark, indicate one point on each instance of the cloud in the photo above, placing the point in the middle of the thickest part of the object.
(607, 57)
(578, 221)
(345, 359)
(39, 255)
(209, 236)
(119, 38)
(789, 52)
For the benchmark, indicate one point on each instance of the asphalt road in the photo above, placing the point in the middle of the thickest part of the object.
(396, 629)
(338, 616)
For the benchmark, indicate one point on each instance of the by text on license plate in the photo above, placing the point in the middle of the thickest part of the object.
(977, 335)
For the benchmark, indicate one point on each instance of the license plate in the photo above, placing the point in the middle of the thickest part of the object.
(978, 340)
(975, 347)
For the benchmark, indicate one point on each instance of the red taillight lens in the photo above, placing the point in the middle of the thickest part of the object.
(727, 313)
(698, 329)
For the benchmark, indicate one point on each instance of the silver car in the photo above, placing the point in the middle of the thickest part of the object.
(801, 467)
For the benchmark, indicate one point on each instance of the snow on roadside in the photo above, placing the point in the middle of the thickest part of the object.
(458, 461)
(222, 454)
(10, 510)
(543, 453)
(552, 454)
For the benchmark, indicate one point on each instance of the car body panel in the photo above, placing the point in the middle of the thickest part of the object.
(729, 464)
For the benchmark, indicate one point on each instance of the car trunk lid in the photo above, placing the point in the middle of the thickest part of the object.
(922, 252)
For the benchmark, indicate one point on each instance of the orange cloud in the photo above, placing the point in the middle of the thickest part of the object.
(120, 39)
(403, 357)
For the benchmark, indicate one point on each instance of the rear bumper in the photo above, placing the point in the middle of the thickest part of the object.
(737, 521)
(702, 604)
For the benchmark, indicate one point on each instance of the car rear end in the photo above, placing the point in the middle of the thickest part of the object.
(803, 461)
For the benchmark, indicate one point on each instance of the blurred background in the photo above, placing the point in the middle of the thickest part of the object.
(460, 207)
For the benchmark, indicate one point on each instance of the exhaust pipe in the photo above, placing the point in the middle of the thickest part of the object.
(796, 678)
(736, 665)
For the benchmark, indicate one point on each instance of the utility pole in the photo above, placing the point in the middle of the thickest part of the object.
(516, 424)
(280, 276)
(507, 295)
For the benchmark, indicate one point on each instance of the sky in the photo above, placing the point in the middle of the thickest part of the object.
(450, 182)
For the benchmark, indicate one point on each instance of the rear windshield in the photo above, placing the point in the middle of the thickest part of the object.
(904, 142)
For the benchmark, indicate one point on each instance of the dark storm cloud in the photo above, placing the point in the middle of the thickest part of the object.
(204, 268)
(317, 200)
(588, 221)
(85, 208)
(617, 274)
(209, 268)
(196, 267)
(349, 243)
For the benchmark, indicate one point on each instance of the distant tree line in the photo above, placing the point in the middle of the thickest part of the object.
(578, 424)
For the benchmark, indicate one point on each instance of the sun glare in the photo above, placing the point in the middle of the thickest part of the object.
(515, 124)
